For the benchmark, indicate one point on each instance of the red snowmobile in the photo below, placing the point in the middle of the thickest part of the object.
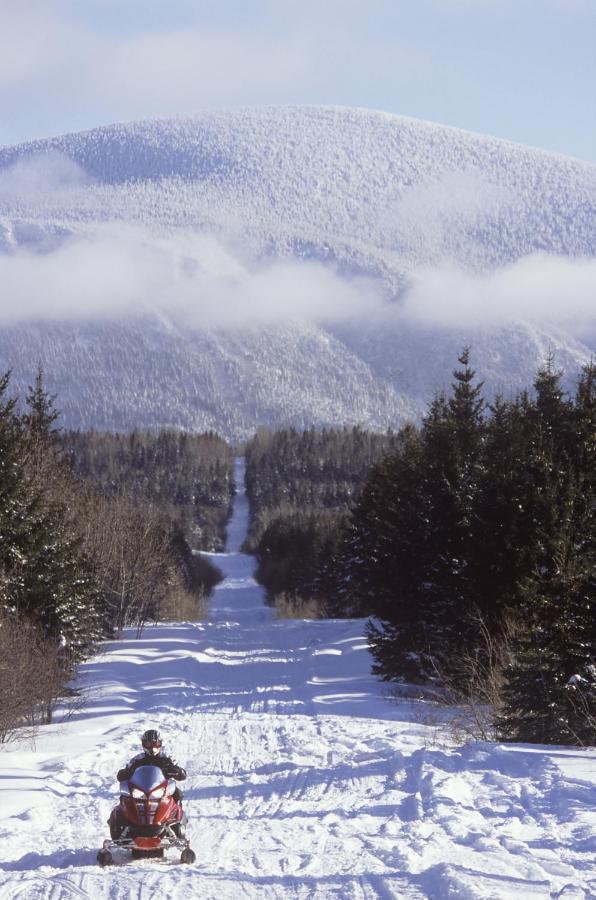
(148, 819)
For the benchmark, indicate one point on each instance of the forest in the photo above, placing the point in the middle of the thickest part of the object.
(473, 547)
(468, 541)
(470, 544)
(96, 533)
(301, 486)
(191, 475)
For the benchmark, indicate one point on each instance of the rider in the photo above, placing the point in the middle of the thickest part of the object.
(153, 755)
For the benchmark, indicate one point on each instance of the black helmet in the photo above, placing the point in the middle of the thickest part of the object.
(152, 741)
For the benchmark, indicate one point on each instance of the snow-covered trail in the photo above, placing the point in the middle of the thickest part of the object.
(238, 597)
(305, 778)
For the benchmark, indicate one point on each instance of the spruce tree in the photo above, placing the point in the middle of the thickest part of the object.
(41, 413)
(453, 436)
(387, 560)
(550, 694)
(411, 536)
(17, 503)
(58, 591)
(502, 555)
(551, 686)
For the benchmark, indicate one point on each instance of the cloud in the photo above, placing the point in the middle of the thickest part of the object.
(159, 65)
(188, 68)
(39, 175)
(120, 271)
(426, 216)
(38, 47)
(113, 270)
(538, 288)
(139, 72)
(197, 280)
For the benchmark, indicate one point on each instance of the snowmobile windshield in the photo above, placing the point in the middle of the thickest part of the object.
(147, 778)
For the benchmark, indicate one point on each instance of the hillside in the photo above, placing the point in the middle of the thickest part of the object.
(352, 184)
(206, 238)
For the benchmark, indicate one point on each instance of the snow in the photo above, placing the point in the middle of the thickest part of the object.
(363, 192)
(366, 187)
(307, 778)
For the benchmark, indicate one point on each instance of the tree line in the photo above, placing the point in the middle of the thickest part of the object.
(301, 486)
(189, 474)
(473, 547)
(469, 541)
(82, 556)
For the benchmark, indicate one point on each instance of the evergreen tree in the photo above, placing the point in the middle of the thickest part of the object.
(412, 536)
(453, 435)
(58, 591)
(41, 413)
(16, 503)
(551, 687)
(502, 555)
(550, 694)
(302, 483)
(493, 515)
(391, 540)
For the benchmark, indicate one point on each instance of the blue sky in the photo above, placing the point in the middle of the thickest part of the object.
(524, 70)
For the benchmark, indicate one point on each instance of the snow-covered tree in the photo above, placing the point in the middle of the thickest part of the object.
(551, 688)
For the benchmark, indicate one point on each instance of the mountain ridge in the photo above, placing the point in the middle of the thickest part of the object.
(315, 107)
(363, 193)
(363, 167)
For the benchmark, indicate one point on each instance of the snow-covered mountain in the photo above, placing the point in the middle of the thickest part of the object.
(117, 375)
(363, 193)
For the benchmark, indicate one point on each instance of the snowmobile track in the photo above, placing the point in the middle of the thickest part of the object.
(305, 778)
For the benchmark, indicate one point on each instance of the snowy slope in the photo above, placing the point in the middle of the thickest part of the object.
(366, 193)
(354, 184)
(118, 375)
(306, 779)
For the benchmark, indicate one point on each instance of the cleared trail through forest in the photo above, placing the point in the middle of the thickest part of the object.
(306, 778)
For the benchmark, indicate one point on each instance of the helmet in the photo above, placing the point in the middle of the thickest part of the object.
(152, 742)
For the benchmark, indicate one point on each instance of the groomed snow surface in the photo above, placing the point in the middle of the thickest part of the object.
(306, 778)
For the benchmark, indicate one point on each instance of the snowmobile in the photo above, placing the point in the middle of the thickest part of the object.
(148, 820)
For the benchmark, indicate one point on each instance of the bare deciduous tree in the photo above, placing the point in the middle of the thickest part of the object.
(33, 671)
(473, 688)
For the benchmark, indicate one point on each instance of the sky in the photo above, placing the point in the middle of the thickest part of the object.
(524, 70)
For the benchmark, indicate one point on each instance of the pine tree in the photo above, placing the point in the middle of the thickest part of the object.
(467, 406)
(386, 560)
(58, 591)
(411, 536)
(41, 413)
(502, 555)
(551, 686)
(17, 503)
(453, 436)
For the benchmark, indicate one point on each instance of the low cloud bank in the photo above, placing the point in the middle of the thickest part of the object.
(118, 271)
(40, 176)
(537, 288)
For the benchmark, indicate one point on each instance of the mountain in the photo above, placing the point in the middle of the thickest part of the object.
(370, 196)
(115, 376)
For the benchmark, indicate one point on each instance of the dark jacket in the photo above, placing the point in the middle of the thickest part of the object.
(169, 768)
